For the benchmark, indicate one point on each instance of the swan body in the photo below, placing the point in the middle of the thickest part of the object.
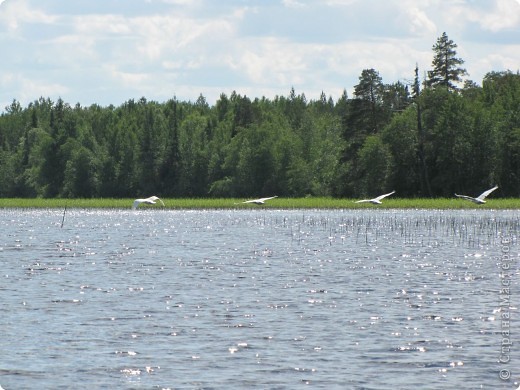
(150, 200)
(479, 199)
(260, 200)
(375, 200)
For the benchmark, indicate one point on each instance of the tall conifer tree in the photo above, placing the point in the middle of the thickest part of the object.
(446, 66)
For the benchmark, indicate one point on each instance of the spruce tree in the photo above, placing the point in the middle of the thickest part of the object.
(446, 66)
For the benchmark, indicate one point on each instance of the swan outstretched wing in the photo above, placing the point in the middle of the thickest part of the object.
(253, 201)
(479, 199)
(150, 200)
(466, 197)
(375, 200)
(265, 199)
(260, 200)
(384, 196)
(486, 193)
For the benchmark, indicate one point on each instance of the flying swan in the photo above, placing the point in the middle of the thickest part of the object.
(259, 201)
(150, 200)
(479, 199)
(375, 200)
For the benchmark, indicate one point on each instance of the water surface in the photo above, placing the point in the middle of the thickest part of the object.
(155, 299)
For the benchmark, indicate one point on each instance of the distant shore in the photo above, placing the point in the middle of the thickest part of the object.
(278, 203)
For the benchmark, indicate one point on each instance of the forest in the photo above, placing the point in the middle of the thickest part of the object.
(427, 138)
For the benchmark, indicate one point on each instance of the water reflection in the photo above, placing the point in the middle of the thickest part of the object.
(334, 299)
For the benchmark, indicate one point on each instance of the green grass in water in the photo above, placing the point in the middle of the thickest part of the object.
(278, 203)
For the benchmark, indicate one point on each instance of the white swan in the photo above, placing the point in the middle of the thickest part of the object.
(375, 200)
(479, 199)
(260, 201)
(150, 200)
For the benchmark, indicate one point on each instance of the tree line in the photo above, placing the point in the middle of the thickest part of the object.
(427, 138)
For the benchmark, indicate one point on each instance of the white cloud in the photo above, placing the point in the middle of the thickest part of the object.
(493, 15)
(293, 3)
(29, 89)
(180, 2)
(504, 16)
(418, 22)
(269, 61)
(128, 79)
(334, 3)
(107, 54)
(100, 25)
(13, 14)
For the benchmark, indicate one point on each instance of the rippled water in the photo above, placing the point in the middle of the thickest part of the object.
(257, 298)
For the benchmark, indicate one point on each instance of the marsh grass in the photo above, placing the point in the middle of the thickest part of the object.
(278, 203)
(473, 230)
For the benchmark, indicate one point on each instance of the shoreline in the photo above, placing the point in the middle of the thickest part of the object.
(278, 203)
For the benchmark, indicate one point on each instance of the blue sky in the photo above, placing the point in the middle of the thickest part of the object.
(110, 51)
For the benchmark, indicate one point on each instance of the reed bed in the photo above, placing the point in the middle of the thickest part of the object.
(412, 229)
(278, 203)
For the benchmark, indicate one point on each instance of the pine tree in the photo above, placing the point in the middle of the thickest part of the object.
(446, 70)
(425, 182)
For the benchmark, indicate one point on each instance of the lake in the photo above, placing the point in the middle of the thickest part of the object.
(259, 298)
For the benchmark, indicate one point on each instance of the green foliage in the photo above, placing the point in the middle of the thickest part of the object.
(402, 138)
(375, 166)
(433, 143)
(235, 203)
(446, 70)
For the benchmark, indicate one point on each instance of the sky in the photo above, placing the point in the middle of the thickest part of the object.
(110, 51)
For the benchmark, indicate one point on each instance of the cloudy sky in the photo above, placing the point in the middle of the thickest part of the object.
(109, 51)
